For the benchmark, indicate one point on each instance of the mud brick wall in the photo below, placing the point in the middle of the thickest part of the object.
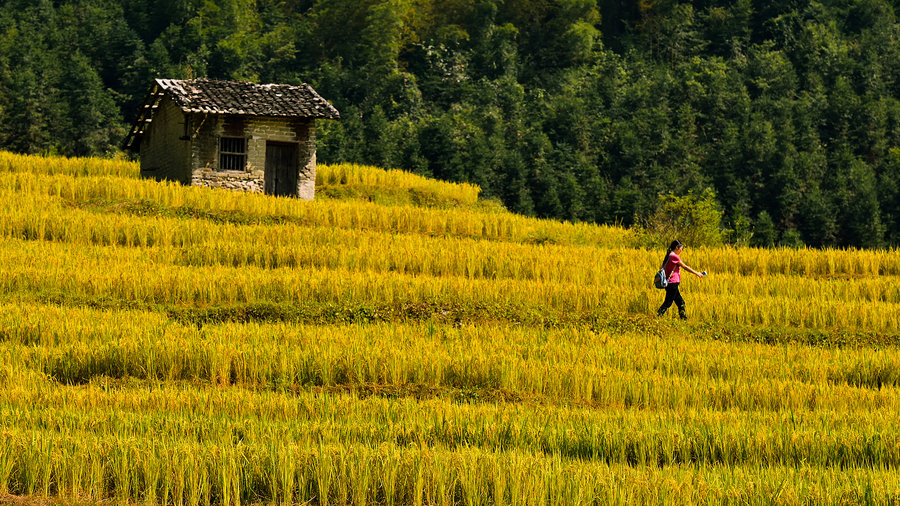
(257, 130)
(164, 154)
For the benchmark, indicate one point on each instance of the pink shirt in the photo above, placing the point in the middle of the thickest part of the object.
(673, 268)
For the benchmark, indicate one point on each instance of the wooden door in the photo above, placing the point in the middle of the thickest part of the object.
(281, 168)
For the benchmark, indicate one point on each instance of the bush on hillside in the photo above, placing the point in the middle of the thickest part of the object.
(693, 219)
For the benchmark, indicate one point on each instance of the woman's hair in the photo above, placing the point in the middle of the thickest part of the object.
(676, 243)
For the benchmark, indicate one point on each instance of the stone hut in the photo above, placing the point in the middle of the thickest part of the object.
(227, 134)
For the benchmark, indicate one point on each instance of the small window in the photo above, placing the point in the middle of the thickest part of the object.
(232, 153)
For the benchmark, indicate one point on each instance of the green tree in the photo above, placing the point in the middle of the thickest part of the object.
(693, 219)
(90, 124)
(764, 232)
(861, 212)
(889, 196)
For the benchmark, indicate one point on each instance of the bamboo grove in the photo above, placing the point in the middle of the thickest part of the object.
(180, 345)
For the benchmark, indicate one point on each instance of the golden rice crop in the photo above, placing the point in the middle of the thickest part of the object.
(258, 428)
(858, 295)
(114, 387)
(349, 174)
(206, 243)
(139, 470)
(149, 276)
(283, 245)
(34, 164)
(332, 213)
(78, 345)
(649, 436)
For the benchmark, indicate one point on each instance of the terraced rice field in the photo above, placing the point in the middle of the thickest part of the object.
(399, 341)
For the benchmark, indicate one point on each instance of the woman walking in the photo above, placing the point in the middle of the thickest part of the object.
(673, 266)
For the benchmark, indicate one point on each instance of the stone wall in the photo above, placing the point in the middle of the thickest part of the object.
(306, 183)
(164, 154)
(230, 180)
(205, 149)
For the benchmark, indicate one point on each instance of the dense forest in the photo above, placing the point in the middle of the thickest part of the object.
(787, 110)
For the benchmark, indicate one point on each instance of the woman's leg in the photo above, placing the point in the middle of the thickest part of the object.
(671, 293)
(679, 301)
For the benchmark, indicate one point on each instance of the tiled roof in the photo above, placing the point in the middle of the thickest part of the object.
(235, 97)
(231, 97)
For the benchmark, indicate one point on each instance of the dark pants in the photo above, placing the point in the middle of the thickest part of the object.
(673, 295)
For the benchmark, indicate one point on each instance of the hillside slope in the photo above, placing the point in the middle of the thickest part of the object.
(399, 341)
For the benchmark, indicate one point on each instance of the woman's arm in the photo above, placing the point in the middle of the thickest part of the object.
(692, 271)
